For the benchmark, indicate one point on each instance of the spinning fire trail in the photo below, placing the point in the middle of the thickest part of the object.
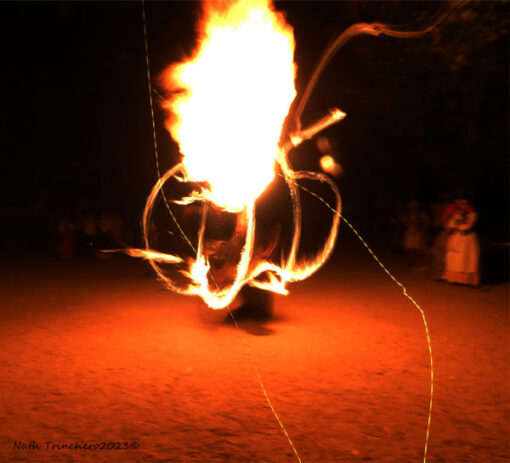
(228, 111)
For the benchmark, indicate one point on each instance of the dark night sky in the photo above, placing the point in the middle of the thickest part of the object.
(425, 116)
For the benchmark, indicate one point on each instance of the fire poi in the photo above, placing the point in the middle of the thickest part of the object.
(226, 110)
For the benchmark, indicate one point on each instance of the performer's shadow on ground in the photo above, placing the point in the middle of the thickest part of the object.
(255, 311)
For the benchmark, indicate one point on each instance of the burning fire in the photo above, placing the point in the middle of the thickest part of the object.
(233, 96)
(226, 108)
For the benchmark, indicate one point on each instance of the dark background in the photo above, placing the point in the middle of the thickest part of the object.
(425, 116)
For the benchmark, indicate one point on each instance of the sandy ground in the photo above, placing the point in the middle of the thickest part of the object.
(94, 351)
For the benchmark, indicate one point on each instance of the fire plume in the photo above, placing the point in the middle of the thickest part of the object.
(232, 98)
(226, 108)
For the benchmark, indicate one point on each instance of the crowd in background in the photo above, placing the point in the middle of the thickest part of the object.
(89, 235)
(441, 238)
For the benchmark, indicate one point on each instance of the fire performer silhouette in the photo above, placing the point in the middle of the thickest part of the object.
(224, 253)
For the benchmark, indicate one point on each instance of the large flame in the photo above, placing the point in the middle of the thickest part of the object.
(226, 109)
(233, 96)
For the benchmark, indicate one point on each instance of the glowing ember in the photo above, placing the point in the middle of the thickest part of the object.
(227, 106)
(329, 165)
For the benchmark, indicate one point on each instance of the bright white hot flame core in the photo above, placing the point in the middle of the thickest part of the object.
(236, 93)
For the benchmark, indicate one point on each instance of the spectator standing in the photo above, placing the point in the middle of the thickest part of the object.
(462, 247)
(441, 217)
(66, 238)
(89, 227)
(105, 231)
(416, 222)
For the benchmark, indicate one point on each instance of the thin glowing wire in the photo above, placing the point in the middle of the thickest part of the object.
(249, 349)
(406, 294)
(156, 155)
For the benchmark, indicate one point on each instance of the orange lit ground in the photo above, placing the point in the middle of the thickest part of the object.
(98, 351)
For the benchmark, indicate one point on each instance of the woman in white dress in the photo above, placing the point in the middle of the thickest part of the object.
(462, 247)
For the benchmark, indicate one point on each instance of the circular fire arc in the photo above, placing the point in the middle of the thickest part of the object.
(243, 66)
